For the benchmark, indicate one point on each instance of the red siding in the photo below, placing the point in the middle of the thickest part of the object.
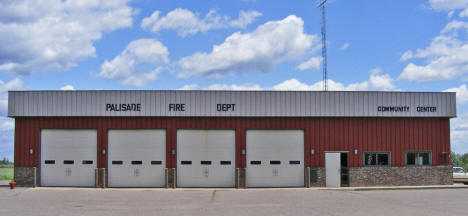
(396, 135)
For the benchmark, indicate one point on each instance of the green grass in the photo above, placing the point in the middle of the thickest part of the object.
(6, 173)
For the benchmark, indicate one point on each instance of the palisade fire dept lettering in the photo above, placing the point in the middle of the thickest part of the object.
(123, 107)
(225, 107)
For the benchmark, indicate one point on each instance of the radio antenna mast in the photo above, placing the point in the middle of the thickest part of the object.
(321, 5)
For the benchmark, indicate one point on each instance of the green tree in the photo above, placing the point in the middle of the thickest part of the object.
(5, 161)
(459, 160)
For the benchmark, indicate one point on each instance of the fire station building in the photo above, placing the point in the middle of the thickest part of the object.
(233, 139)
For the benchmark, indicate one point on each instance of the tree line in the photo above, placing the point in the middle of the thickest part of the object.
(5, 161)
(460, 160)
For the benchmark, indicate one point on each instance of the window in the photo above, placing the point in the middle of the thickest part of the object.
(117, 162)
(137, 162)
(205, 162)
(156, 162)
(275, 162)
(68, 162)
(294, 162)
(418, 158)
(186, 162)
(376, 158)
(49, 162)
(88, 162)
(225, 162)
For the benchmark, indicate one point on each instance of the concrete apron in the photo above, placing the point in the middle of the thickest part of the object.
(266, 189)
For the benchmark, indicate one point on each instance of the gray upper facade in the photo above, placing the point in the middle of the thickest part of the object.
(231, 103)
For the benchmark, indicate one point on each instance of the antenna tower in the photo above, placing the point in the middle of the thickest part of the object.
(324, 45)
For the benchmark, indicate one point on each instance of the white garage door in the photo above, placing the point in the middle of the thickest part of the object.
(68, 157)
(275, 158)
(136, 158)
(206, 158)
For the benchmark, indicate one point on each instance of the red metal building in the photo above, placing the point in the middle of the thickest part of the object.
(409, 143)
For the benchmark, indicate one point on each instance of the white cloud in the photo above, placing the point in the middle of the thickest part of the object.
(7, 126)
(459, 133)
(376, 81)
(450, 14)
(189, 87)
(54, 34)
(313, 63)
(185, 22)
(234, 87)
(464, 13)
(448, 4)
(129, 66)
(15, 84)
(462, 93)
(271, 43)
(244, 19)
(67, 88)
(345, 46)
(446, 56)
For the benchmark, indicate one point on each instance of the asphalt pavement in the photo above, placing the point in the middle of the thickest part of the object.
(300, 201)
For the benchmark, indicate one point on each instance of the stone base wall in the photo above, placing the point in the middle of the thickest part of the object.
(240, 178)
(400, 176)
(171, 178)
(317, 177)
(101, 178)
(26, 176)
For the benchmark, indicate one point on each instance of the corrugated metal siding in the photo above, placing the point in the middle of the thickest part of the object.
(248, 103)
(396, 135)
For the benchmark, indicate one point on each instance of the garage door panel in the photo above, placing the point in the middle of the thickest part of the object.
(206, 158)
(67, 149)
(137, 158)
(275, 158)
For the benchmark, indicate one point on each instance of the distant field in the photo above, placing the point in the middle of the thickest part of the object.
(6, 173)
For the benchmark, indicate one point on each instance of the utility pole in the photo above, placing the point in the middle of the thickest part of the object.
(321, 5)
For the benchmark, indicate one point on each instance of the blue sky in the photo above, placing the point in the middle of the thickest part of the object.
(399, 45)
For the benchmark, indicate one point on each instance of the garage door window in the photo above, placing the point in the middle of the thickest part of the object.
(68, 162)
(418, 158)
(87, 162)
(295, 162)
(255, 162)
(49, 161)
(376, 158)
(137, 162)
(205, 162)
(275, 162)
(117, 162)
(186, 162)
(225, 162)
(156, 162)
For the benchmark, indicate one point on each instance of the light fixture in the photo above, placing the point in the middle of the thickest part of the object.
(355, 151)
(31, 151)
(243, 151)
(312, 151)
(173, 151)
(103, 151)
